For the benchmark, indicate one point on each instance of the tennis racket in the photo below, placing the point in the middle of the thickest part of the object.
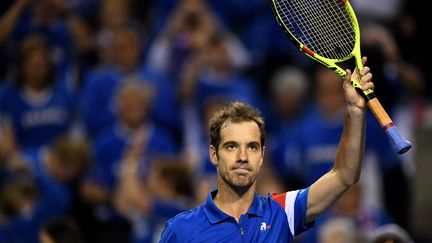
(328, 32)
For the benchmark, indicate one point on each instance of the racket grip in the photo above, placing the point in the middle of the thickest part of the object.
(399, 143)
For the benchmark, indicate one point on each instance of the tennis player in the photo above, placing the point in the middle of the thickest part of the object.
(234, 212)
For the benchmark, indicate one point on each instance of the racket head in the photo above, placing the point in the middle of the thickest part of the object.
(328, 32)
(325, 30)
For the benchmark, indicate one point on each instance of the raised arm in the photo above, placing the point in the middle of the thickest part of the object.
(348, 162)
(10, 18)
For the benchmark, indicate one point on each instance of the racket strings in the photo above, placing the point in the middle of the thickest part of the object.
(334, 21)
(323, 26)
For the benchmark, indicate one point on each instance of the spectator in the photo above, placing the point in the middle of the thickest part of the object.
(390, 233)
(134, 126)
(66, 160)
(112, 16)
(98, 97)
(187, 31)
(133, 135)
(64, 30)
(339, 230)
(149, 202)
(212, 72)
(27, 203)
(289, 98)
(289, 103)
(35, 107)
(53, 177)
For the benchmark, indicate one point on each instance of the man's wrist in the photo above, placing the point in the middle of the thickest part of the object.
(355, 111)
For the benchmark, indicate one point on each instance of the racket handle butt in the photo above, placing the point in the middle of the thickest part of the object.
(399, 143)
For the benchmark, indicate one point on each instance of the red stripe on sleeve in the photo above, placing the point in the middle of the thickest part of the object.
(279, 198)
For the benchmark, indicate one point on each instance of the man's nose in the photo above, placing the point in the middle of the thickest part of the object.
(243, 156)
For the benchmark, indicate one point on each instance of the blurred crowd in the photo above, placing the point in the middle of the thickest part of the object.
(104, 107)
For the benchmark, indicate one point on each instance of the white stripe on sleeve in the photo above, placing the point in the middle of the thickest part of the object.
(289, 209)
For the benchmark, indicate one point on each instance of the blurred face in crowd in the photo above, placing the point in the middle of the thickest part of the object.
(193, 14)
(289, 87)
(338, 230)
(196, 25)
(67, 159)
(239, 156)
(133, 106)
(288, 103)
(64, 171)
(126, 49)
(218, 56)
(17, 197)
(336, 237)
(46, 11)
(36, 67)
(114, 13)
(329, 93)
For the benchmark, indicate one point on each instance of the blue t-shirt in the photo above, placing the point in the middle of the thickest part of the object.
(272, 218)
(111, 145)
(37, 123)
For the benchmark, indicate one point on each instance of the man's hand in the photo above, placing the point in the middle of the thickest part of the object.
(352, 97)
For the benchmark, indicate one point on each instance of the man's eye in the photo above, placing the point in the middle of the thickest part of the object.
(253, 147)
(231, 147)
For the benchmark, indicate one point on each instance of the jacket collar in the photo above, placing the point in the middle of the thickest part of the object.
(215, 215)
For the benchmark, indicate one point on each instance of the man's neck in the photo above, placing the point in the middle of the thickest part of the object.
(232, 202)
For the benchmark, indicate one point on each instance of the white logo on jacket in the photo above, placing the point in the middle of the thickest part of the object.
(263, 226)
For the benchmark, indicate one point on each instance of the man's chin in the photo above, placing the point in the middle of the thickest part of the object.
(239, 182)
(244, 183)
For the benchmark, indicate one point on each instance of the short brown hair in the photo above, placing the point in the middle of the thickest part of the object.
(175, 172)
(234, 112)
(73, 153)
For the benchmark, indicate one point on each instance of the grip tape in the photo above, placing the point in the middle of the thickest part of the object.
(399, 143)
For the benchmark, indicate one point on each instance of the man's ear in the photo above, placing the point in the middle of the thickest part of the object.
(213, 155)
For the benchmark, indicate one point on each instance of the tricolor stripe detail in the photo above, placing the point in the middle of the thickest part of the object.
(287, 201)
(280, 198)
(289, 209)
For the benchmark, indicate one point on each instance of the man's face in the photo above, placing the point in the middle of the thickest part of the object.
(126, 49)
(132, 108)
(239, 155)
(36, 67)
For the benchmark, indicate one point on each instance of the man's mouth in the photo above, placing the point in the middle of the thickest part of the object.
(241, 170)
